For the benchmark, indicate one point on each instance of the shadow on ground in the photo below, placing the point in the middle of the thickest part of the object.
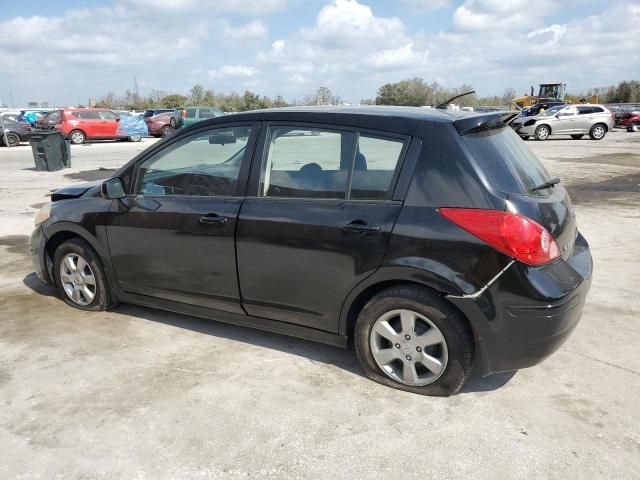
(317, 352)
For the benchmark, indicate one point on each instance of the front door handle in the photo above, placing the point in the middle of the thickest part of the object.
(360, 227)
(213, 219)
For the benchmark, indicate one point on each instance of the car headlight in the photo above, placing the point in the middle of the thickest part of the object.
(43, 214)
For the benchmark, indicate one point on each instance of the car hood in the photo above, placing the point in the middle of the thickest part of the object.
(73, 191)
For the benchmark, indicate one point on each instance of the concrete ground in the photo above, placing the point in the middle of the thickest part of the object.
(143, 394)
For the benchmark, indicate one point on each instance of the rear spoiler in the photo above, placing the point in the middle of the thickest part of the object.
(475, 123)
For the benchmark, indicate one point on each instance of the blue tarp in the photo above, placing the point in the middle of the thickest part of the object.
(132, 125)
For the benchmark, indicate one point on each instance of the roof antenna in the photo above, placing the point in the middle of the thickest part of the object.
(443, 105)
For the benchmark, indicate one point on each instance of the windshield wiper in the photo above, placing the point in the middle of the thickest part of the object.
(548, 184)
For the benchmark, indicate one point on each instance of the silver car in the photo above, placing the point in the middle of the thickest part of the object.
(574, 120)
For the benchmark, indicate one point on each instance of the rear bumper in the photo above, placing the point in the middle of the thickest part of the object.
(529, 312)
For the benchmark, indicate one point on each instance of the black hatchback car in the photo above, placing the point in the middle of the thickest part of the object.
(434, 240)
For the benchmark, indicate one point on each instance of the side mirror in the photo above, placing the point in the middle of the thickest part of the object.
(113, 188)
(222, 138)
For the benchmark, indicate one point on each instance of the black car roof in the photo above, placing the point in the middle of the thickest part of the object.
(407, 120)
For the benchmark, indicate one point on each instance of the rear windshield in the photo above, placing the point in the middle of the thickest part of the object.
(505, 160)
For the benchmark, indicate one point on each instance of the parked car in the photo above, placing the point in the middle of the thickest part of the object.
(16, 132)
(155, 111)
(540, 108)
(190, 115)
(574, 120)
(81, 124)
(160, 125)
(435, 240)
(629, 119)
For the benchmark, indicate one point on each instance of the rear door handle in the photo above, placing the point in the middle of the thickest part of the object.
(213, 219)
(360, 227)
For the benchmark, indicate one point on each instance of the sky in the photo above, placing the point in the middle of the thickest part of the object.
(65, 52)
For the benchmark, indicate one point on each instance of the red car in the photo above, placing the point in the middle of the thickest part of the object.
(81, 124)
(629, 120)
(159, 125)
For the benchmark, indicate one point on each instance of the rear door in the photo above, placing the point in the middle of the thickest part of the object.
(513, 169)
(174, 237)
(317, 221)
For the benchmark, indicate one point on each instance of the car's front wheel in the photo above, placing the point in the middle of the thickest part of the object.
(597, 132)
(634, 127)
(80, 277)
(135, 138)
(542, 133)
(77, 137)
(411, 339)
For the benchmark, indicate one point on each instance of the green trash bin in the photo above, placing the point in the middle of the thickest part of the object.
(50, 151)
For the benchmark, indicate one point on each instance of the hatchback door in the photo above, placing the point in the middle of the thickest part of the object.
(513, 169)
(173, 237)
(318, 221)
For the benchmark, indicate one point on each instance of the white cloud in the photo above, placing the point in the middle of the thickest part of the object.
(233, 71)
(254, 30)
(499, 14)
(242, 7)
(425, 5)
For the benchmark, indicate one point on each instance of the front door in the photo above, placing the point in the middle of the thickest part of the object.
(108, 124)
(318, 222)
(173, 238)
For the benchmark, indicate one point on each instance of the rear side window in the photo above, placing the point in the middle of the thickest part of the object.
(584, 110)
(374, 167)
(505, 160)
(598, 110)
(306, 163)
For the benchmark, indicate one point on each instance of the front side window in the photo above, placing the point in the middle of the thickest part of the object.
(206, 163)
(306, 163)
(107, 115)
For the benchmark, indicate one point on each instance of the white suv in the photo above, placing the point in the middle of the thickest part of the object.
(573, 120)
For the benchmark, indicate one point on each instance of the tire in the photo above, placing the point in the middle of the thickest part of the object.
(634, 127)
(77, 137)
(525, 137)
(597, 132)
(12, 139)
(174, 123)
(542, 133)
(453, 352)
(167, 130)
(72, 282)
(577, 136)
(135, 138)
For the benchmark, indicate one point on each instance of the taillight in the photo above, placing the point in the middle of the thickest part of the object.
(511, 233)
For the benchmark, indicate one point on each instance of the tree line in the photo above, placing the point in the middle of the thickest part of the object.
(410, 92)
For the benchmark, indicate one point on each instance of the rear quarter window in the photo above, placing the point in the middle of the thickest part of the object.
(505, 160)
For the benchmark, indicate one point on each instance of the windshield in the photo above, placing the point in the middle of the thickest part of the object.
(552, 111)
(506, 161)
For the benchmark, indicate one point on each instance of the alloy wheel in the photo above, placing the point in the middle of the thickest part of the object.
(598, 132)
(408, 347)
(77, 279)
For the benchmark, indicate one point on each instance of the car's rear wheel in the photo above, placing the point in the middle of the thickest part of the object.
(173, 122)
(542, 132)
(577, 136)
(12, 140)
(411, 339)
(80, 277)
(135, 138)
(634, 127)
(77, 137)
(597, 132)
(167, 130)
